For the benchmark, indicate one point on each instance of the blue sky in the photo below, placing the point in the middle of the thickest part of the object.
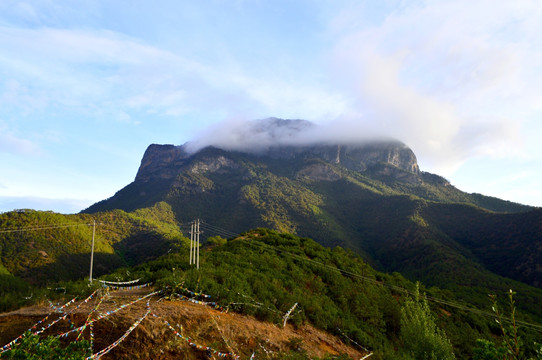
(86, 86)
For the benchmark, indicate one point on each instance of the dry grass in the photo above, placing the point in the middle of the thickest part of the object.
(152, 339)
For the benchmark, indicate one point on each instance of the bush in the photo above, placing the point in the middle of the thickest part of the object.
(33, 348)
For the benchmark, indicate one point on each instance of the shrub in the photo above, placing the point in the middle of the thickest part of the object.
(32, 347)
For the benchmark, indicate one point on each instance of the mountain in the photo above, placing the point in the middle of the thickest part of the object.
(367, 196)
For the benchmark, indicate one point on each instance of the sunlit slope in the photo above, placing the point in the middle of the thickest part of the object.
(41, 246)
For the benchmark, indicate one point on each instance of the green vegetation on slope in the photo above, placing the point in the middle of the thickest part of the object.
(40, 247)
(263, 273)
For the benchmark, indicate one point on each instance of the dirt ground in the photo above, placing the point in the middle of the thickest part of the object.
(229, 333)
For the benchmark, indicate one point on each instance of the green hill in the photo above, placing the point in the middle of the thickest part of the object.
(40, 247)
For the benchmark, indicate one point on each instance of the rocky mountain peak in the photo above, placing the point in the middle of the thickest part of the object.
(161, 161)
(282, 139)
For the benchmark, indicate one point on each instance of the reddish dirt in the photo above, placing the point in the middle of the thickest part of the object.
(153, 339)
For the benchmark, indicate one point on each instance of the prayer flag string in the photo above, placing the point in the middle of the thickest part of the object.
(194, 345)
(13, 342)
(90, 326)
(107, 349)
(211, 304)
(119, 282)
(109, 313)
(195, 294)
(114, 287)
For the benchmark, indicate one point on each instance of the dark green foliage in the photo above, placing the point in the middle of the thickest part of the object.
(44, 246)
(486, 350)
(216, 240)
(14, 292)
(32, 347)
(263, 273)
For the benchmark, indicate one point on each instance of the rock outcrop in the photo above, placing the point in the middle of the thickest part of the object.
(165, 162)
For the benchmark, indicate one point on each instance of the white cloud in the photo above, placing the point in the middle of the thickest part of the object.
(92, 72)
(452, 79)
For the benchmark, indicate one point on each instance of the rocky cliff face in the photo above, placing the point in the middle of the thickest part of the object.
(390, 158)
(385, 158)
(358, 157)
(161, 161)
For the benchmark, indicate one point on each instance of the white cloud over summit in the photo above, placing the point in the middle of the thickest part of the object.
(451, 79)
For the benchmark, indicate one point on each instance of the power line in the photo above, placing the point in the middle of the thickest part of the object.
(218, 230)
(536, 327)
(43, 227)
(371, 280)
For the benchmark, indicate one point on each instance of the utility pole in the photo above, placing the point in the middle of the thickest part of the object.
(194, 243)
(191, 242)
(92, 250)
(197, 248)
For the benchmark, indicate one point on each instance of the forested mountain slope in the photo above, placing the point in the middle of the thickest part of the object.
(370, 197)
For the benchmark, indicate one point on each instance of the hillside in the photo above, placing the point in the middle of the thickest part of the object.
(153, 339)
(369, 197)
(343, 305)
(39, 247)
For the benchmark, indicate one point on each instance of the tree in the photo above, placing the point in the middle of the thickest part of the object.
(421, 337)
(216, 240)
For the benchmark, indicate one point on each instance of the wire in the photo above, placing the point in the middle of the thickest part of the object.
(44, 227)
(48, 227)
(218, 229)
(211, 229)
(377, 282)
(533, 326)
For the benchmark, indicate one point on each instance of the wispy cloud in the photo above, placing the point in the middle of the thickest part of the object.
(13, 144)
(80, 69)
(98, 71)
